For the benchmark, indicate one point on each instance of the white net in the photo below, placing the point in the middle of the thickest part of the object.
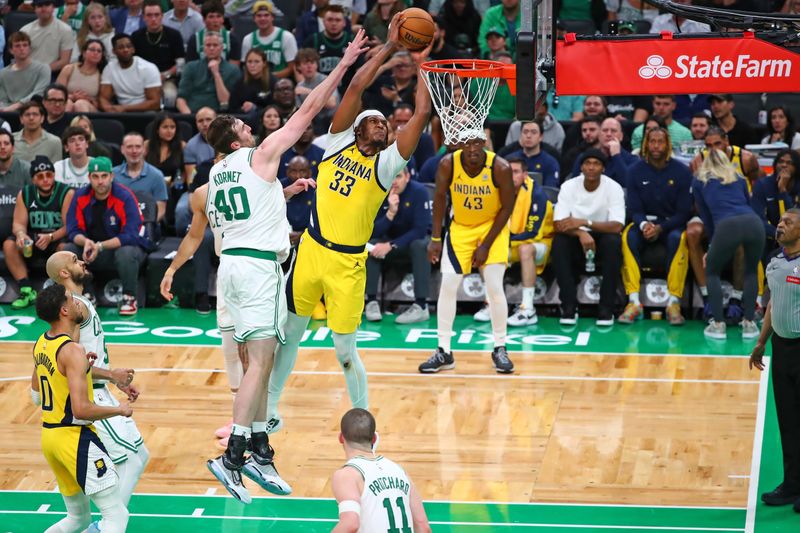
(462, 102)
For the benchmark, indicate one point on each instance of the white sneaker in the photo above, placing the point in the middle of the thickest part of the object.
(230, 477)
(749, 329)
(373, 311)
(263, 472)
(482, 315)
(413, 314)
(715, 330)
(523, 317)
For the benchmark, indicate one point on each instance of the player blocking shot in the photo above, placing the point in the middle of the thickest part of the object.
(246, 202)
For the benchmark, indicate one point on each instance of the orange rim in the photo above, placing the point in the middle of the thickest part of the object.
(471, 68)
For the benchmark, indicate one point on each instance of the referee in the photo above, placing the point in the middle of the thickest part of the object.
(783, 319)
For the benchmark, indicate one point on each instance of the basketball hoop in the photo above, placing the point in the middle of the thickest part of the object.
(462, 91)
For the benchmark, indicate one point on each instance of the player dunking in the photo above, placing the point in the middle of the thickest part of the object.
(354, 177)
(373, 493)
(70, 443)
(119, 434)
(247, 202)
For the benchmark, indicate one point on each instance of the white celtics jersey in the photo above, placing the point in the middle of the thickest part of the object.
(250, 211)
(92, 337)
(385, 500)
(71, 175)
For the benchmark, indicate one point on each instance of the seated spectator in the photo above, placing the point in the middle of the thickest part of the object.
(553, 131)
(588, 219)
(213, 22)
(745, 161)
(677, 24)
(14, 172)
(531, 226)
(593, 106)
(565, 107)
(197, 149)
(254, 90)
(23, 79)
(663, 106)
(590, 138)
(660, 204)
(307, 67)
(688, 105)
(32, 139)
(51, 39)
(536, 160)
(401, 236)
(652, 123)
(723, 202)
(111, 241)
(635, 108)
(164, 150)
(71, 13)
(96, 148)
(331, 42)
(298, 207)
(278, 44)
(504, 105)
(618, 159)
(55, 103)
(270, 122)
(506, 15)
(82, 79)
(161, 46)
(207, 82)
(739, 132)
(74, 170)
(376, 23)
(140, 176)
(95, 25)
(303, 147)
(134, 83)
(184, 19)
(776, 193)
(129, 18)
(396, 88)
(39, 226)
(442, 49)
(782, 128)
(462, 24)
(625, 10)
(284, 99)
(699, 126)
(427, 173)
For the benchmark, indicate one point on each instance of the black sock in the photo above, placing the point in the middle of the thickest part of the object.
(371, 298)
(422, 302)
(24, 282)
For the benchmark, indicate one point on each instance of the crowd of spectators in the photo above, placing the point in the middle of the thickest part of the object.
(184, 63)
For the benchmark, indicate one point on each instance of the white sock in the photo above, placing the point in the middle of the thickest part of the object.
(498, 306)
(285, 358)
(130, 472)
(241, 430)
(634, 298)
(673, 300)
(115, 515)
(759, 299)
(446, 308)
(259, 427)
(736, 294)
(527, 297)
(703, 291)
(355, 375)
(78, 515)
(233, 366)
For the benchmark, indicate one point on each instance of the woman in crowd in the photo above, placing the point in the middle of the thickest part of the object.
(254, 90)
(270, 122)
(782, 128)
(164, 150)
(376, 23)
(95, 25)
(96, 148)
(723, 202)
(82, 79)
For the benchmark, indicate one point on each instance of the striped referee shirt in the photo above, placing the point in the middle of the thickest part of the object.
(783, 277)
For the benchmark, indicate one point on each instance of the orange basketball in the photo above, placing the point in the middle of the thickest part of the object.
(416, 31)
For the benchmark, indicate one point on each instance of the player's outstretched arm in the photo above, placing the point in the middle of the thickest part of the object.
(73, 357)
(350, 105)
(408, 137)
(347, 492)
(276, 144)
(418, 515)
(191, 242)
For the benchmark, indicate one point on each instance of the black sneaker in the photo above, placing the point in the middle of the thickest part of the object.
(201, 303)
(605, 318)
(502, 363)
(569, 316)
(780, 496)
(440, 360)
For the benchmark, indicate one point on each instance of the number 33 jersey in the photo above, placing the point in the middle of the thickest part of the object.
(475, 199)
(351, 187)
(249, 211)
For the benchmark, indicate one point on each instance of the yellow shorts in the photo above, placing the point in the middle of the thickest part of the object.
(462, 241)
(78, 459)
(513, 253)
(340, 277)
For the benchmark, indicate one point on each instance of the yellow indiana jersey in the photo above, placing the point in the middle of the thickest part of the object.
(475, 199)
(348, 197)
(735, 157)
(53, 386)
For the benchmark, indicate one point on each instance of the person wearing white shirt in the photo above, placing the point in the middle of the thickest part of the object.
(74, 170)
(676, 24)
(588, 221)
(134, 82)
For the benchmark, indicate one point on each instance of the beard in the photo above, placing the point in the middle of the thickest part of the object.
(82, 278)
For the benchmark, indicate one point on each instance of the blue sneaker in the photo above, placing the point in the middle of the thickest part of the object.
(94, 527)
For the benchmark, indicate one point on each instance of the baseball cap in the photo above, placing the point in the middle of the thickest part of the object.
(594, 153)
(100, 164)
(262, 4)
(41, 163)
(499, 30)
(724, 97)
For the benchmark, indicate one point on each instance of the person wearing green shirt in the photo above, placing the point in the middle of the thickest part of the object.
(71, 13)
(207, 82)
(506, 15)
(504, 106)
(663, 107)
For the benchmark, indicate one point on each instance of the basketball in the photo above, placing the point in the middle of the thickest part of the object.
(416, 31)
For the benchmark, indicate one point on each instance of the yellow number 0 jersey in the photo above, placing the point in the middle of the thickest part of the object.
(475, 203)
(351, 187)
(71, 446)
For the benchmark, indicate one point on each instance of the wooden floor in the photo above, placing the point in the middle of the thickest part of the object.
(565, 428)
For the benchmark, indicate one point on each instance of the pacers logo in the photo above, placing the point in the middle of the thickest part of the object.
(655, 68)
(100, 465)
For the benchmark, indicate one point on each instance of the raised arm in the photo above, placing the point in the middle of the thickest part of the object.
(191, 242)
(408, 137)
(273, 146)
(351, 101)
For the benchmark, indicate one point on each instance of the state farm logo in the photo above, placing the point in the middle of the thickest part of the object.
(655, 68)
(695, 67)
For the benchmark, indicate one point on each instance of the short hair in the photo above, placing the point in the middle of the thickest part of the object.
(32, 103)
(19, 37)
(49, 302)
(118, 37)
(716, 130)
(57, 87)
(221, 134)
(7, 134)
(535, 121)
(793, 210)
(137, 134)
(214, 34)
(333, 9)
(72, 131)
(597, 119)
(700, 114)
(520, 160)
(668, 96)
(212, 6)
(358, 427)
(403, 106)
(307, 55)
(152, 3)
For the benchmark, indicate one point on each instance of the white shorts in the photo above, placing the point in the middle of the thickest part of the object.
(224, 320)
(254, 296)
(118, 433)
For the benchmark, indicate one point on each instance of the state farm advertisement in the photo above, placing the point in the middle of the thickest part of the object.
(665, 66)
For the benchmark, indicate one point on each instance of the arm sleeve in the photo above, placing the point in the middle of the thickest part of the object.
(563, 206)
(289, 46)
(683, 208)
(67, 39)
(160, 193)
(389, 164)
(152, 77)
(550, 172)
(247, 44)
(422, 221)
(636, 137)
(185, 85)
(758, 202)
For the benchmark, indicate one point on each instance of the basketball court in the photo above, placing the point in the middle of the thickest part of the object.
(641, 428)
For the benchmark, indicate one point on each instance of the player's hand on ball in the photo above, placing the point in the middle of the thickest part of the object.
(393, 37)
